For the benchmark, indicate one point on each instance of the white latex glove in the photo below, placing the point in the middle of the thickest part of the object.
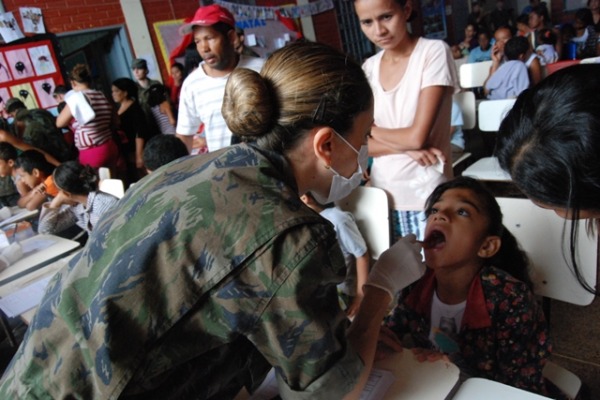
(12, 253)
(398, 266)
(5, 213)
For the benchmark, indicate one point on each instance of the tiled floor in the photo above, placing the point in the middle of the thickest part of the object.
(576, 334)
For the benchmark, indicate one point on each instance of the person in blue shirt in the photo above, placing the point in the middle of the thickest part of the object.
(483, 52)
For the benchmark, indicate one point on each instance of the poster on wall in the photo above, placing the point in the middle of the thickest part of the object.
(9, 29)
(33, 21)
(29, 71)
(434, 19)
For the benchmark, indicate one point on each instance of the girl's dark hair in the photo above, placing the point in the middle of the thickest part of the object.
(549, 143)
(542, 11)
(509, 257)
(157, 93)
(547, 36)
(73, 177)
(585, 16)
(81, 74)
(128, 86)
(181, 68)
(301, 86)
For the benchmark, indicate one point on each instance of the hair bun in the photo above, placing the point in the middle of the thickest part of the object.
(248, 104)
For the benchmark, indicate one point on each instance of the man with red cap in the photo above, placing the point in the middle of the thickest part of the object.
(213, 31)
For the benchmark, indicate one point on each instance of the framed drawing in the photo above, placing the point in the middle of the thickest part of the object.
(29, 71)
(167, 33)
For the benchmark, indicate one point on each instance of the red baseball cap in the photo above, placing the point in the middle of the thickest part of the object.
(208, 16)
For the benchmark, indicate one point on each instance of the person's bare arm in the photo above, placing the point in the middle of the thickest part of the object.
(390, 141)
(64, 118)
(535, 72)
(362, 272)
(21, 145)
(188, 140)
(364, 331)
(166, 109)
(139, 152)
(34, 199)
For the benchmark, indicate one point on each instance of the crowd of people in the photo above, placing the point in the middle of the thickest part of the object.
(227, 264)
(486, 34)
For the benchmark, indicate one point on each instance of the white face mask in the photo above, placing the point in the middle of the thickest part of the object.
(340, 185)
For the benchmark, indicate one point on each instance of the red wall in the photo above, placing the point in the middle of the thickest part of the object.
(68, 15)
(73, 15)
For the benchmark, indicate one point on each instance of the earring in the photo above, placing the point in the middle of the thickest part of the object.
(327, 166)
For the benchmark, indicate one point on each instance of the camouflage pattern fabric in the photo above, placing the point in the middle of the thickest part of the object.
(40, 131)
(205, 274)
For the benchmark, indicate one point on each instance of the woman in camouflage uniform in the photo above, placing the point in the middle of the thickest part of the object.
(211, 270)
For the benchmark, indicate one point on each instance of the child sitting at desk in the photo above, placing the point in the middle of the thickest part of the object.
(474, 303)
(512, 77)
(354, 249)
(35, 172)
(9, 196)
(78, 201)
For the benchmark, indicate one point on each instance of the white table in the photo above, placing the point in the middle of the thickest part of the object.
(418, 380)
(46, 271)
(18, 215)
(38, 251)
(479, 388)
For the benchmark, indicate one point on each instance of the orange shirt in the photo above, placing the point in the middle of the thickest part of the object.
(51, 189)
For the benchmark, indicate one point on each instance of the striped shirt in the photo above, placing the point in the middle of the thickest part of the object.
(200, 102)
(98, 130)
(162, 120)
(55, 220)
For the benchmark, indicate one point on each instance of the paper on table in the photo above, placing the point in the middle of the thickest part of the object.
(378, 383)
(34, 245)
(24, 299)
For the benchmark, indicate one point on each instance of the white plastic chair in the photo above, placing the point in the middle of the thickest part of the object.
(370, 208)
(474, 74)
(466, 102)
(103, 173)
(112, 186)
(551, 275)
(490, 115)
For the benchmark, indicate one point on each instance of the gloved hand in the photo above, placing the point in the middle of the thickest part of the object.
(398, 266)
(10, 255)
(5, 213)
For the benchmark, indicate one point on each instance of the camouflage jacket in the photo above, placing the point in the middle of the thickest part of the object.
(205, 274)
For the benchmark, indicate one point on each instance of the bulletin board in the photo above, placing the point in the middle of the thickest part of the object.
(167, 33)
(29, 71)
(434, 19)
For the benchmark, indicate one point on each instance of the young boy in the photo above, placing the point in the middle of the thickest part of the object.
(35, 173)
(161, 150)
(9, 196)
(512, 77)
(354, 249)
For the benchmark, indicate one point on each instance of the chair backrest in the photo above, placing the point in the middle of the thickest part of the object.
(473, 75)
(112, 186)
(370, 208)
(553, 67)
(492, 112)
(103, 173)
(540, 233)
(466, 102)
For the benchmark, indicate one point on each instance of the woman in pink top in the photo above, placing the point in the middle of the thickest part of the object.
(413, 80)
(93, 137)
